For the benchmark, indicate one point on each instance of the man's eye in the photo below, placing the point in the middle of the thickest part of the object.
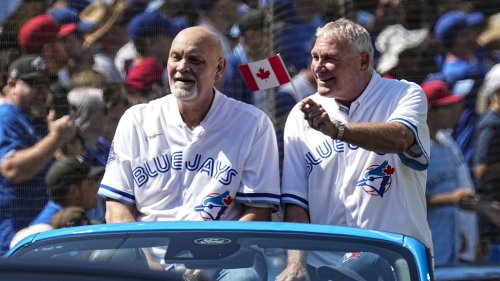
(196, 61)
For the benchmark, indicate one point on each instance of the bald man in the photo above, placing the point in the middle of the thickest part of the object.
(196, 154)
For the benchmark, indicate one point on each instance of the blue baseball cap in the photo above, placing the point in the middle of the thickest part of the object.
(68, 15)
(151, 24)
(449, 24)
(78, 5)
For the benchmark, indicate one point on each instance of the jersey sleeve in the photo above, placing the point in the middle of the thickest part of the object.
(117, 182)
(295, 170)
(411, 111)
(260, 180)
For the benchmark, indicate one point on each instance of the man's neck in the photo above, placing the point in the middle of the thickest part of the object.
(193, 113)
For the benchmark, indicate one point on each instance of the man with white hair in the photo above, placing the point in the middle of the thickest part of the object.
(356, 152)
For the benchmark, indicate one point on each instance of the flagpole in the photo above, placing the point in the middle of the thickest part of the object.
(271, 92)
(295, 93)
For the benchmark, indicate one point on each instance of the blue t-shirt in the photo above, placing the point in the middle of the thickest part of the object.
(466, 77)
(48, 212)
(443, 219)
(19, 203)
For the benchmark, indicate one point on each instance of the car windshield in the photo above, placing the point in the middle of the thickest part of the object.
(334, 258)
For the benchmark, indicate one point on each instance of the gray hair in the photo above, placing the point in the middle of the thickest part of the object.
(346, 30)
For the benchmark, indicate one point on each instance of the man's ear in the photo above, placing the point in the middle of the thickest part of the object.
(11, 82)
(364, 60)
(221, 67)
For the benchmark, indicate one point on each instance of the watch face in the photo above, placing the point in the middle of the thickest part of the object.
(340, 129)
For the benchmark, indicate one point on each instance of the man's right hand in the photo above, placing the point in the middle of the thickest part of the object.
(63, 128)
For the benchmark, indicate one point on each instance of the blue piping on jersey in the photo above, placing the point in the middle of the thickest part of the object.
(266, 198)
(118, 192)
(291, 198)
(248, 195)
(413, 163)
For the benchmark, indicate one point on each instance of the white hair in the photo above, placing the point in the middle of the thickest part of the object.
(346, 30)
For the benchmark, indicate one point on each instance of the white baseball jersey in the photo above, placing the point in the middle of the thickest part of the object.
(341, 184)
(169, 172)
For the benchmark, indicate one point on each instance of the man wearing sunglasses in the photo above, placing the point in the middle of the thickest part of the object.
(29, 136)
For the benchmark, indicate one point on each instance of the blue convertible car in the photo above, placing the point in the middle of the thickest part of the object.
(334, 253)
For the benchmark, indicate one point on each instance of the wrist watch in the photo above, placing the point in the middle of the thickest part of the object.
(340, 129)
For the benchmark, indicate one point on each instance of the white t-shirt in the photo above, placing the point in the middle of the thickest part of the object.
(341, 184)
(169, 172)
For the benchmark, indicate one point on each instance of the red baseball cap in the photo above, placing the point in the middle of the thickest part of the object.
(438, 94)
(36, 32)
(67, 29)
(144, 74)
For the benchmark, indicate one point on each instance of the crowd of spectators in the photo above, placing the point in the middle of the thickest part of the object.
(92, 60)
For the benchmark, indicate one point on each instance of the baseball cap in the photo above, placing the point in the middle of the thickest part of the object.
(36, 32)
(68, 171)
(359, 266)
(438, 94)
(395, 39)
(28, 67)
(144, 74)
(69, 19)
(151, 24)
(78, 5)
(450, 23)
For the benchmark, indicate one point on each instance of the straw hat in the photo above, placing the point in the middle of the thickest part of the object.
(104, 16)
(492, 32)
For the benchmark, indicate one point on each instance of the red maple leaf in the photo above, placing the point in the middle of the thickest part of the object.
(263, 74)
(389, 170)
(228, 200)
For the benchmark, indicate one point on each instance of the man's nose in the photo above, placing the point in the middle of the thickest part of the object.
(183, 66)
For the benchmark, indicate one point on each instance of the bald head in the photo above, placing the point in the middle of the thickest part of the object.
(195, 64)
(200, 36)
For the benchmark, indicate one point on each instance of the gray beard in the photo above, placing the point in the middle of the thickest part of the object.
(183, 94)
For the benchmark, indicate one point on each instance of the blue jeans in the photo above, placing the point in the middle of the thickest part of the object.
(257, 272)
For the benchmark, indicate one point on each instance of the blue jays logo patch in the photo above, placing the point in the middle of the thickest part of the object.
(377, 180)
(351, 256)
(214, 206)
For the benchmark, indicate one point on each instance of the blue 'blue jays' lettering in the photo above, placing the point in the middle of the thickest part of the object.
(140, 176)
(211, 167)
(325, 151)
(177, 160)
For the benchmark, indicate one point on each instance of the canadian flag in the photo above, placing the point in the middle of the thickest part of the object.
(265, 74)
